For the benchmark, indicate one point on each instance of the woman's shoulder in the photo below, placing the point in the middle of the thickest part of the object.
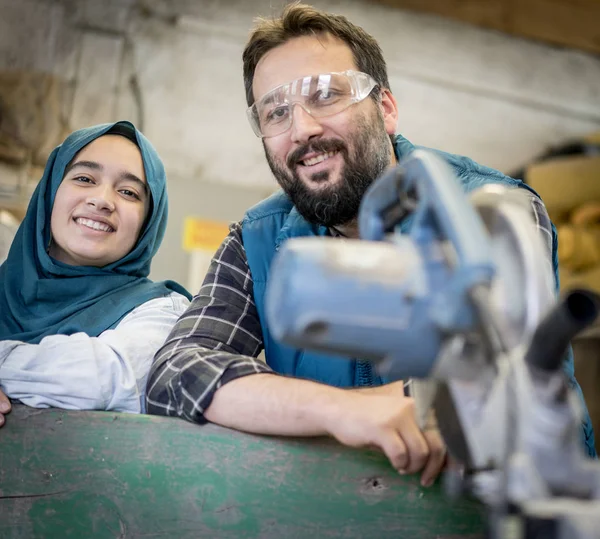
(170, 305)
(175, 300)
(172, 301)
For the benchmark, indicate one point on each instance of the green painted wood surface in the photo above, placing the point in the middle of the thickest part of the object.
(105, 475)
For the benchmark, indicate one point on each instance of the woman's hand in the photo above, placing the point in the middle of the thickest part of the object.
(4, 407)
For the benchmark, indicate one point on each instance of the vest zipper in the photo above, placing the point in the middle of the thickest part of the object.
(365, 373)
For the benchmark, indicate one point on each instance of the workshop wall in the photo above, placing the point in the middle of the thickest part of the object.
(174, 68)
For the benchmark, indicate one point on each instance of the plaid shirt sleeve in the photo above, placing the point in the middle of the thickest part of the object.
(215, 341)
(542, 221)
(543, 224)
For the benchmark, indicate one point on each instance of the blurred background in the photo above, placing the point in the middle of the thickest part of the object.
(514, 85)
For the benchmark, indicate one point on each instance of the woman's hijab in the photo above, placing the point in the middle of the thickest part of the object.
(40, 296)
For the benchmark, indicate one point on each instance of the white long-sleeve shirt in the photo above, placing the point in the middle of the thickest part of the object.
(79, 372)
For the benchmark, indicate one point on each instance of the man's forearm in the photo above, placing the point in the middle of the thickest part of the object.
(276, 405)
(383, 418)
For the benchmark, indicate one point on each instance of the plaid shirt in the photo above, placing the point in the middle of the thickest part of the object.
(219, 337)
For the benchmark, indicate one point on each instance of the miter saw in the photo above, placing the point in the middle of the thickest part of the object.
(453, 291)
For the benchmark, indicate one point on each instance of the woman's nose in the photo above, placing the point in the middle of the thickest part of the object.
(101, 199)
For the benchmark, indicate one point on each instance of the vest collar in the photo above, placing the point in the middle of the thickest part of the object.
(402, 147)
(296, 226)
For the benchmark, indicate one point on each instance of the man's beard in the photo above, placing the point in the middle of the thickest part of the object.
(337, 204)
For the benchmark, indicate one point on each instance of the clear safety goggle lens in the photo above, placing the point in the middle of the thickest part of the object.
(319, 95)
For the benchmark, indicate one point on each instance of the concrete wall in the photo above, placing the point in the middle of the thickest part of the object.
(174, 68)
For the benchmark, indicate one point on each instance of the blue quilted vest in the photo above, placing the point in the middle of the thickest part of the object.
(268, 224)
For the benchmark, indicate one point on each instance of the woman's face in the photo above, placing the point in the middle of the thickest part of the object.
(101, 204)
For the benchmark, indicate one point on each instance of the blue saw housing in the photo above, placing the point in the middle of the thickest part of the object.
(395, 294)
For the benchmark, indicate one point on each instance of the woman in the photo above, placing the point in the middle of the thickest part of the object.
(79, 319)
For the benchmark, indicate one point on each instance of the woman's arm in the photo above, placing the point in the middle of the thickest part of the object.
(107, 372)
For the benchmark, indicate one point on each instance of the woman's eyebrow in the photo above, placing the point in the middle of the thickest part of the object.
(133, 178)
(85, 164)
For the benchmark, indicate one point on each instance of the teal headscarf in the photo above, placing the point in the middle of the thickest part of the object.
(40, 296)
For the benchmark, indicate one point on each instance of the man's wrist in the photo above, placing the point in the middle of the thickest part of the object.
(331, 408)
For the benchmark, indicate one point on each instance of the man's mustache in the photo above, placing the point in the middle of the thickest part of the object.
(318, 146)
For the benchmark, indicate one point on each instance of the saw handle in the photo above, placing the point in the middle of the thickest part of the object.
(427, 188)
(576, 311)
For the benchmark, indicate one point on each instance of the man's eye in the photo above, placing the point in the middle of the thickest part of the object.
(277, 114)
(325, 97)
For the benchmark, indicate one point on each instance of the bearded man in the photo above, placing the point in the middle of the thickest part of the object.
(319, 99)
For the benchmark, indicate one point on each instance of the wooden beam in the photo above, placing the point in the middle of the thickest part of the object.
(481, 13)
(106, 475)
(572, 23)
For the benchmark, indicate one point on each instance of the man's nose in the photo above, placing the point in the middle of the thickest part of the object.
(102, 199)
(304, 125)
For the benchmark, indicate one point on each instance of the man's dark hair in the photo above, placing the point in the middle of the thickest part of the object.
(302, 20)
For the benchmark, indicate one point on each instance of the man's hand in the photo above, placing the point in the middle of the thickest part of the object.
(5, 407)
(385, 418)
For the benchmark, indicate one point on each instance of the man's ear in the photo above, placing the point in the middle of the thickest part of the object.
(389, 109)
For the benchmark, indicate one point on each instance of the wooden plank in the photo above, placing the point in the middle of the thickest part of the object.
(573, 23)
(99, 474)
(487, 13)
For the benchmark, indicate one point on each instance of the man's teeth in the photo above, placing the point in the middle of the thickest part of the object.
(318, 159)
(94, 224)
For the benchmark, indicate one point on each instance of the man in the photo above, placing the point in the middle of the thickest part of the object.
(319, 98)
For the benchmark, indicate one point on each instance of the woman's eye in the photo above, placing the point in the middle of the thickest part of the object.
(130, 194)
(82, 179)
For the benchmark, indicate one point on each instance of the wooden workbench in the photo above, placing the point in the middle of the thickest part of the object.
(106, 475)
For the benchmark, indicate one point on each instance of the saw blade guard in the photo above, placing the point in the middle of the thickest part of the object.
(523, 289)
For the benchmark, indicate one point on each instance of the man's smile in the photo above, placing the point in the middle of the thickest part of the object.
(316, 158)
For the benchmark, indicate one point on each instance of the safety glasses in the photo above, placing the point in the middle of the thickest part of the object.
(319, 95)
